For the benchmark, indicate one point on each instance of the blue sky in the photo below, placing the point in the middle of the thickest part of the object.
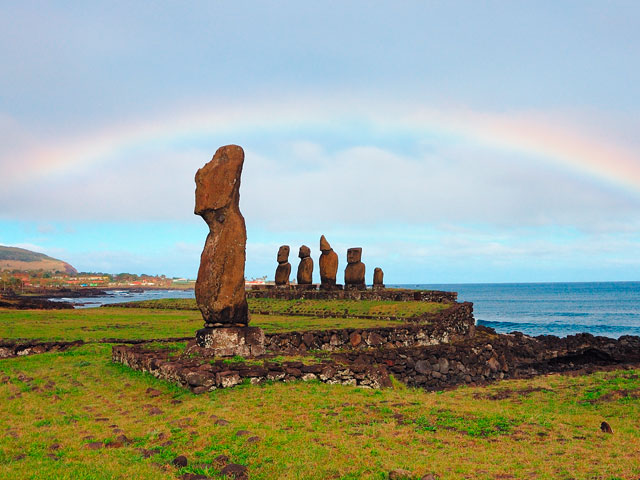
(453, 141)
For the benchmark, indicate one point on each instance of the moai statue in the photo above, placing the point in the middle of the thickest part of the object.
(219, 289)
(305, 268)
(378, 278)
(354, 273)
(328, 265)
(220, 292)
(284, 267)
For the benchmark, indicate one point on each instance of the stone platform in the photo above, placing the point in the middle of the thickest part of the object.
(231, 341)
(314, 292)
(485, 358)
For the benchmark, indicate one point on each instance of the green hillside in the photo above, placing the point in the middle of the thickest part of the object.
(13, 258)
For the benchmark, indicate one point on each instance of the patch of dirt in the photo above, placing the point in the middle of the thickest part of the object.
(614, 395)
(509, 393)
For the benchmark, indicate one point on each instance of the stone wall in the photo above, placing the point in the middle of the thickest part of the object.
(485, 358)
(311, 292)
(490, 357)
(201, 376)
(453, 324)
(20, 348)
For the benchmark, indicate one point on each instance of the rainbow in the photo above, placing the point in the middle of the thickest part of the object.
(529, 137)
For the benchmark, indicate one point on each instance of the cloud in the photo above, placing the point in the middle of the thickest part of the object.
(381, 170)
(28, 246)
(46, 228)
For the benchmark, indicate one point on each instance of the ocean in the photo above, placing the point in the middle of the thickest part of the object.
(120, 296)
(610, 309)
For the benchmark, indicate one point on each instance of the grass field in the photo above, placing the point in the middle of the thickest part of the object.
(142, 323)
(62, 416)
(385, 308)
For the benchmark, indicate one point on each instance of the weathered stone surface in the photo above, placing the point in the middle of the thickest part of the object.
(305, 268)
(414, 354)
(180, 461)
(354, 273)
(230, 341)
(400, 474)
(396, 295)
(219, 288)
(378, 278)
(328, 265)
(283, 271)
(235, 471)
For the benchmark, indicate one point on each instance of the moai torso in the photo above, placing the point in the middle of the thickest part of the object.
(284, 267)
(378, 278)
(305, 268)
(220, 293)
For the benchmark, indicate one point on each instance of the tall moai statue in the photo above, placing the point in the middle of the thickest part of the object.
(284, 267)
(305, 268)
(328, 265)
(378, 278)
(354, 273)
(220, 292)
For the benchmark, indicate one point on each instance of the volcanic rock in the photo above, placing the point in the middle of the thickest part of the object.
(284, 267)
(235, 471)
(328, 265)
(354, 273)
(180, 461)
(305, 268)
(220, 293)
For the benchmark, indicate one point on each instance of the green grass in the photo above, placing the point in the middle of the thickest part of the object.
(54, 405)
(141, 323)
(543, 429)
(339, 308)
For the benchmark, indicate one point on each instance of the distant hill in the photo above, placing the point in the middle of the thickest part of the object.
(12, 258)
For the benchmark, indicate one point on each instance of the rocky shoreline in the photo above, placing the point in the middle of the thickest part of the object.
(40, 299)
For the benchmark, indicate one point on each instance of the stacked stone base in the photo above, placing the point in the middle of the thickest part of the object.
(231, 341)
(19, 348)
(202, 375)
(314, 292)
(488, 357)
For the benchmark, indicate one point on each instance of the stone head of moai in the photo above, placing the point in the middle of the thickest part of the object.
(305, 268)
(220, 293)
(304, 252)
(324, 245)
(354, 255)
(354, 273)
(283, 271)
(328, 265)
(283, 254)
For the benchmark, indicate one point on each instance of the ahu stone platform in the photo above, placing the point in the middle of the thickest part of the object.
(201, 368)
(313, 292)
(487, 357)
